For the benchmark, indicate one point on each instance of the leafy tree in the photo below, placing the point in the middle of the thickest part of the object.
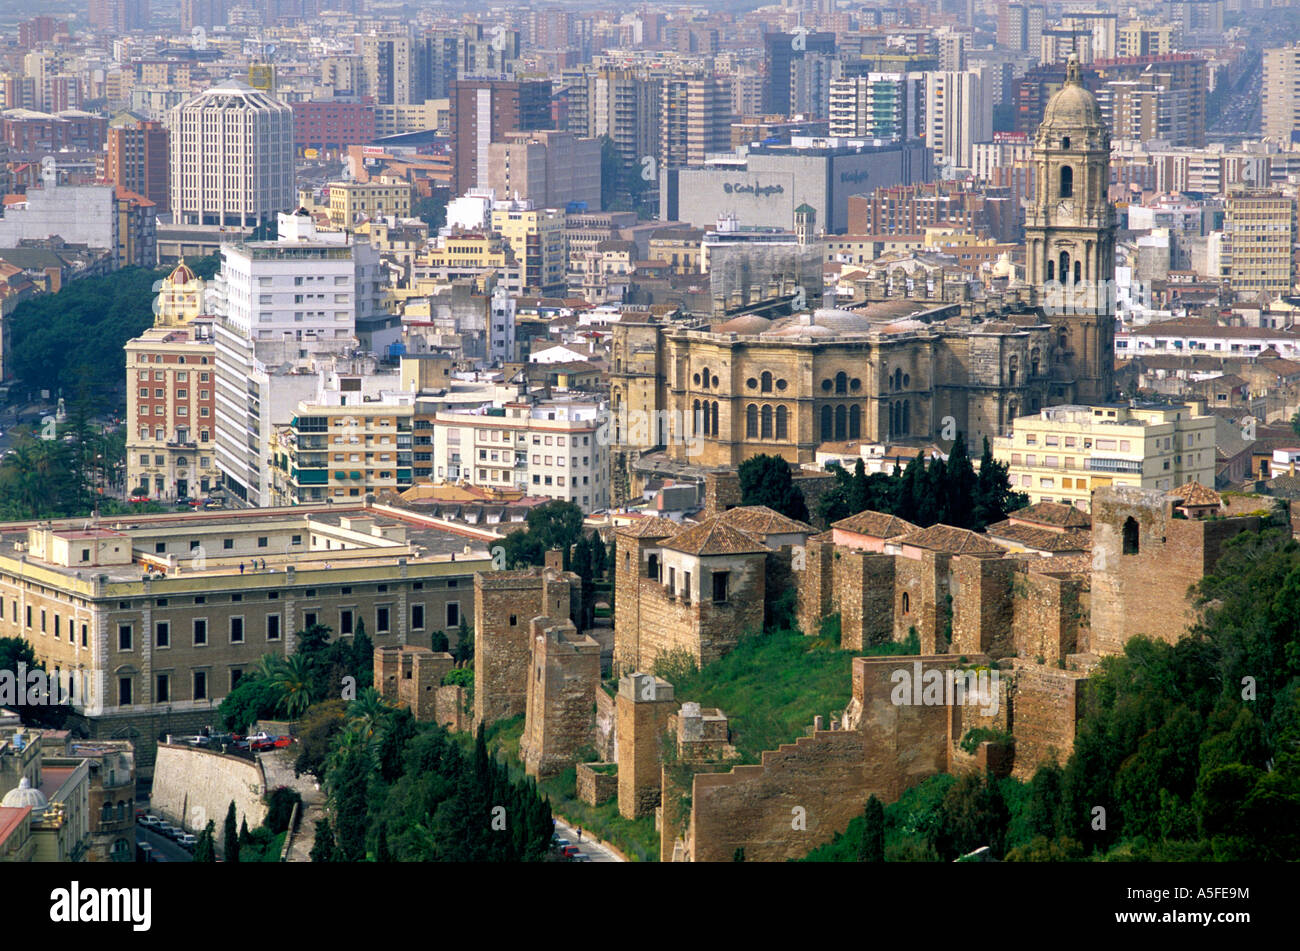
(973, 814)
(245, 838)
(14, 651)
(871, 848)
(464, 651)
(766, 480)
(316, 732)
(231, 835)
(205, 848)
(522, 549)
(254, 698)
(432, 209)
(294, 681)
(557, 525)
(438, 642)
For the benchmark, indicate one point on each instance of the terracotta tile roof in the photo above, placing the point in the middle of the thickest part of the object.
(12, 818)
(715, 537)
(1193, 493)
(1052, 515)
(955, 541)
(876, 525)
(1041, 539)
(761, 520)
(651, 527)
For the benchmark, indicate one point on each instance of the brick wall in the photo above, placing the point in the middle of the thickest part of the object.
(815, 585)
(595, 786)
(864, 595)
(1147, 592)
(1049, 615)
(504, 604)
(1046, 704)
(981, 602)
(563, 677)
(828, 775)
(643, 706)
(924, 581)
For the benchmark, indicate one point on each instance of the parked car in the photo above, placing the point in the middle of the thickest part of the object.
(149, 822)
(570, 851)
(239, 744)
(168, 830)
(138, 497)
(184, 500)
(582, 857)
(560, 843)
(187, 840)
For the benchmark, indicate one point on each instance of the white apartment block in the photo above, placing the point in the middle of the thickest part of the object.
(550, 448)
(283, 305)
(231, 157)
(958, 113)
(1062, 453)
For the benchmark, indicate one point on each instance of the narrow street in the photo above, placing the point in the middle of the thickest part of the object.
(598, 851)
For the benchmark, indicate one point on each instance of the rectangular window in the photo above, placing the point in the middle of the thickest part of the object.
(123, 637)
(381, 620)
(163, 693)
(83, 635)
(345, 622)
(236, 630)
(200, 685)
(720, 586)
(453, 614)
(124, 691)
(164, 632)
(273, 627)
(200, 631)
(417, 617)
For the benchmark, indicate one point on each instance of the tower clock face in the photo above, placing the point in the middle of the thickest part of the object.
(1065, 207)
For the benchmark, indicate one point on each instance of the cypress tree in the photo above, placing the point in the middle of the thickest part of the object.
(230, 839)
(205, 850)
(872, 846)
(322, 849)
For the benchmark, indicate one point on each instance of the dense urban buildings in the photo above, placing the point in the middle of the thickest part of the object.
(543, 367)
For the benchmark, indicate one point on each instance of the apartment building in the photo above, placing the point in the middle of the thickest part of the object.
(889, 106)
(552, 448)
(351, 203)
(536, 236)
(1259, 232)
(284, 306)
(548, 168)
(136, 160)
(1062, 453)
(351, 440)
(148, 624)
(958, 113)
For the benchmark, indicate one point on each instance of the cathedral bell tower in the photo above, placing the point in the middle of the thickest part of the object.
(1070, 242)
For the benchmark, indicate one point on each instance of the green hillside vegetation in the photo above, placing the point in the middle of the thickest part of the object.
(772, 685)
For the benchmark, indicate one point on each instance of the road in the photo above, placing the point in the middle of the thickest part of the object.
(162, 845)
(597, 851)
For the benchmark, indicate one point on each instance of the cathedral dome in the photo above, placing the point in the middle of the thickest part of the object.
(1074, 107)
(744, 324)
(25, 795)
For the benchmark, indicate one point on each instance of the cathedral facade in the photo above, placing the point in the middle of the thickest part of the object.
(895, 370)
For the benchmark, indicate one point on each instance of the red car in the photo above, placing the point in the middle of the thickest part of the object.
(570, 851)
(137, 497)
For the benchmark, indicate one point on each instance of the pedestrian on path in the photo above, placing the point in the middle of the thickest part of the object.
(579, 833)
(241, 567)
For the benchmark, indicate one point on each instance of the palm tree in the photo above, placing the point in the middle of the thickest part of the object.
(294, 679)
(270, 666)
(368, 714)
